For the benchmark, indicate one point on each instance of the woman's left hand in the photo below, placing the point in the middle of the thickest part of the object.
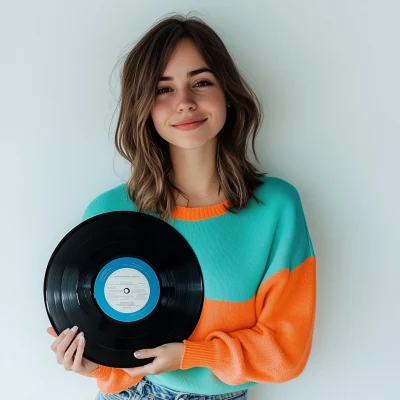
(167, 358)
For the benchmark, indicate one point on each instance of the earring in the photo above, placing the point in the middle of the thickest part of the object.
(228, 104)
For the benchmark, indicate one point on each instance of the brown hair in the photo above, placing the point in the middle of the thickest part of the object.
(136, 139)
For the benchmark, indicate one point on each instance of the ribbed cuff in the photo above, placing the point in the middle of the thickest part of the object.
(198, 354)
(100, 372)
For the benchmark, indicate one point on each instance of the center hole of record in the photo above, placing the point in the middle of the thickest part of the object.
(126, 290)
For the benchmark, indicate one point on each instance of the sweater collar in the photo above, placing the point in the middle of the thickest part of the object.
(200, 213)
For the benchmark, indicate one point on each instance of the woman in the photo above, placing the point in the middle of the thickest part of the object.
(186, 116)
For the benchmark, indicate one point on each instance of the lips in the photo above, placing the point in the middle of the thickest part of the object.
(189, 121)
(190, 126)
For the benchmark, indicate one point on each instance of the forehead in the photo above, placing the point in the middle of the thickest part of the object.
(185, 57)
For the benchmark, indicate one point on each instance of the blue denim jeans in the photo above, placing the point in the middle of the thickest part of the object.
(146, 390)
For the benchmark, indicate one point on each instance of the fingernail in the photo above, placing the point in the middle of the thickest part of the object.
(74, 329)
(66, 331)
(80, 336)
(137, 354)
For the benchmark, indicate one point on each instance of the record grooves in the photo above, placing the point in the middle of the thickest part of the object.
(129, 281)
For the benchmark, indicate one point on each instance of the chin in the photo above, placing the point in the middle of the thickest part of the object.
(188, 146)
(194, 142)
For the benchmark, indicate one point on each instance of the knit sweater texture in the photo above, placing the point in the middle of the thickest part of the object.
(259, 275)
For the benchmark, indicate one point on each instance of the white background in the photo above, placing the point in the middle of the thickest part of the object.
(327, 74)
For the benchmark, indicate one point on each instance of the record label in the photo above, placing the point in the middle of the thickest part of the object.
(127, 289)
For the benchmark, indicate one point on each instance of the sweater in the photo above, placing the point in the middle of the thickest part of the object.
(259, 276)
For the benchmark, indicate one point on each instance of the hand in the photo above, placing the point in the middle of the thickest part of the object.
(65, 352)
(167, 358)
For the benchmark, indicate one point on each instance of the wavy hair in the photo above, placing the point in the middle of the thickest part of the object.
(136, 139)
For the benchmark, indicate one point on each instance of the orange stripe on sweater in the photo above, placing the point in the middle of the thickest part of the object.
(277, 347)
(223, 315)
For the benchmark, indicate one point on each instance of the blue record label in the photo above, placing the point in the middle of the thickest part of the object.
(127, 289)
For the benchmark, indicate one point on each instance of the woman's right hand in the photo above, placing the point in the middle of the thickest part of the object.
(71, 355)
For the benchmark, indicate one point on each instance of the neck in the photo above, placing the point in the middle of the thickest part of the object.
(194, 170)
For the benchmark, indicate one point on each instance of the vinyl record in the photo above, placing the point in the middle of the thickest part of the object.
(129, 281)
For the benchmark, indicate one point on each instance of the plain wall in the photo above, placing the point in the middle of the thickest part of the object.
(327, 74)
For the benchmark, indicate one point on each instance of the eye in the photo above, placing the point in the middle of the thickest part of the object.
(160, 90)
(209, 83)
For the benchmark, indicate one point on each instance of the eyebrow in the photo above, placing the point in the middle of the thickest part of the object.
(189, 74)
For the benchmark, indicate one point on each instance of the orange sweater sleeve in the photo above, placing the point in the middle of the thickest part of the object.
(113, 380)
(277, 347)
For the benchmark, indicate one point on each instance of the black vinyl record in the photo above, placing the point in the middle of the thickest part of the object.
(129, 281)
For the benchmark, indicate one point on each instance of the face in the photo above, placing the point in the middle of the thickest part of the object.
(183, 97)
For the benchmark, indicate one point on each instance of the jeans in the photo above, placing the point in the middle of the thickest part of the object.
(146, 390)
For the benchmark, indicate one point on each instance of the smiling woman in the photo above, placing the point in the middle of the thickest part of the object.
(186, 118)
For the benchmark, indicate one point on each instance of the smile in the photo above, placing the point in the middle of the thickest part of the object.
(189, 127)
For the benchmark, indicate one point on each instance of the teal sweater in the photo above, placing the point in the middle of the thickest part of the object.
(259, 272)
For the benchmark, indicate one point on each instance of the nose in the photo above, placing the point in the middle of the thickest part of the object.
(186, 103)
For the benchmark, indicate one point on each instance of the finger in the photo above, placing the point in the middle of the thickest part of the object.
(52, 332)
(147, 353)
(59, 339)
(62, 347)
(77, 365)
(69, 354)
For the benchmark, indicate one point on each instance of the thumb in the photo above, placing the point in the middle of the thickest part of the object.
(146, 353)
(52, 332)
